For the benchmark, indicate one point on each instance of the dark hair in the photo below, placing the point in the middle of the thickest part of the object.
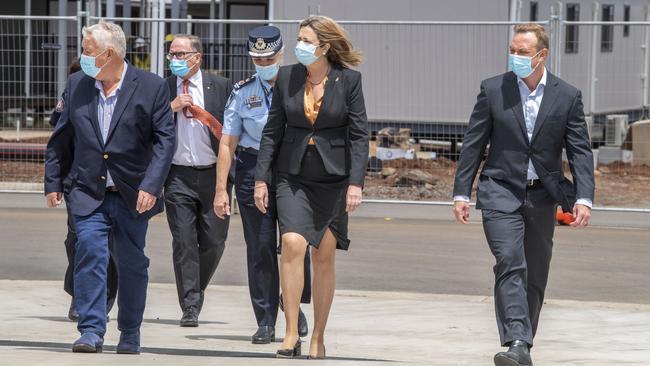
(74, 66)
(195, 42)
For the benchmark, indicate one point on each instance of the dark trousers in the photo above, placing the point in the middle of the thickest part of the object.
(91, 262)
(521, 243)
(199, 236)
(70, 250)
(260, 234)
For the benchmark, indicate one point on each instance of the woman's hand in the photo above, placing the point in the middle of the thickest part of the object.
(353, 198)
(261, 196)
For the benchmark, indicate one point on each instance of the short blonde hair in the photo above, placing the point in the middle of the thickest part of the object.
(328, 31)
(538, 30)
(107, 34)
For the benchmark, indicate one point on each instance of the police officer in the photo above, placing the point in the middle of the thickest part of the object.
(244, 120)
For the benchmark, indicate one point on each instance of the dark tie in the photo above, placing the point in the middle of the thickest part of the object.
(202, 115)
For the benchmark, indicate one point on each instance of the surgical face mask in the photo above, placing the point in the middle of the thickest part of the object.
(267, 73)
(305, 53)
(179, 67)
(522, 66)
(88, 66)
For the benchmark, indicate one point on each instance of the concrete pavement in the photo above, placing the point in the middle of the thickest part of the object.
(366, 328)
(415, 289)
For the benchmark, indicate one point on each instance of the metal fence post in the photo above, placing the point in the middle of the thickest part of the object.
(646, 71)
(593, 62)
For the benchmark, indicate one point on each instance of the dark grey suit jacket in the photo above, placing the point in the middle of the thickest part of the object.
(340, 131)
(216, 91)
(498, 119)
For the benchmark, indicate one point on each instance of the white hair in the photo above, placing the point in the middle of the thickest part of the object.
(107, 34)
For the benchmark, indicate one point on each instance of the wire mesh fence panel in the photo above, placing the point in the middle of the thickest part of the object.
(34, 59)
(420, 81)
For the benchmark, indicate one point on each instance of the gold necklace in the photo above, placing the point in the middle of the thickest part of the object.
(321, 80)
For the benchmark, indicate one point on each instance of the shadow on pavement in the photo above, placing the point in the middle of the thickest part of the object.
(66, 347)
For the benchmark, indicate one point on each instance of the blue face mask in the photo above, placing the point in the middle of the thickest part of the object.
(179, 67)
(88, 66)
(305, 53)
(267, 73)
(522, 66)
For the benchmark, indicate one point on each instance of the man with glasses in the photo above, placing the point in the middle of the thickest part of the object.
(198, 100)
(246, 114)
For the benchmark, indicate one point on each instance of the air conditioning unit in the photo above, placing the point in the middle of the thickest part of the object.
(616, 129)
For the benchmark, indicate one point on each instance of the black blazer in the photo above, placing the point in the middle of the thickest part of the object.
(340, 131)
(138, 150)
(498, 119)
(216, 91)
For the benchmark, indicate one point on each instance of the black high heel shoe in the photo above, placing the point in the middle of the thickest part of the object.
(290, 352)
(317, 357)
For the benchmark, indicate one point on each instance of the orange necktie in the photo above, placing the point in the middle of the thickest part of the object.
(202, 115)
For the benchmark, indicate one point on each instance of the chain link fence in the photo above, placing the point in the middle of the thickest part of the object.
(420, 84)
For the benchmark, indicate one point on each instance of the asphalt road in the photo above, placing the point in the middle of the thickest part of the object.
(608, 263)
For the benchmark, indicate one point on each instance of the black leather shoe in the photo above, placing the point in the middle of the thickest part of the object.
(72, 312)
(303, 326)
(264, 335)
(517, 355)
(190, 317)
(290, 352)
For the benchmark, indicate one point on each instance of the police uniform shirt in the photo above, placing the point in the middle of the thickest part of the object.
(247, 111)
(193, 145)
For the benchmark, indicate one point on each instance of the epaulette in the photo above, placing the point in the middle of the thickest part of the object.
(244, 82)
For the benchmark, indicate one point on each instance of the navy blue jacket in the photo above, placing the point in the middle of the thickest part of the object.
(138, 149)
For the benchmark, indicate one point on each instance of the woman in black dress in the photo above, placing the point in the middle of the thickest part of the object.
(315, 148)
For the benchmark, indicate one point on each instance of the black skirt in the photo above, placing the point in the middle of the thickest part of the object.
(312, 201)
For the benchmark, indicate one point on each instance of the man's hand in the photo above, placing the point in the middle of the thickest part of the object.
(582, 214)
(145, 201)
(461, 211)
(221, 204)
(54, 199)
(181, 101)
(261, 196)
(353, 198)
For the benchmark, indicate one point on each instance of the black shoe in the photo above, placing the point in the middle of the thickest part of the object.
(264, 335)
(290, 352)
(190, 317)
(517, 355)
(73, 314)
(303, 326)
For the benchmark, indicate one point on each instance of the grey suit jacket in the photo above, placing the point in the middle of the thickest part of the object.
(498, 119)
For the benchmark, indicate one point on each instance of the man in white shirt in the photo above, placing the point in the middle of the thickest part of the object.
(199, 236)
(527, 116)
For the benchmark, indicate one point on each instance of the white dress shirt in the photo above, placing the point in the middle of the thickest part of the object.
(531, 101)
(193, 145)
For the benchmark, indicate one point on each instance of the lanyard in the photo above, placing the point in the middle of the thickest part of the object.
(267, 95)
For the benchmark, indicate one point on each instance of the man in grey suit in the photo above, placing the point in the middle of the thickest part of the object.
(526, 116)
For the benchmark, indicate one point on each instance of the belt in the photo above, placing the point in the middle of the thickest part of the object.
(111, 189)
(532, 183)
(248, 150)
(198, 167)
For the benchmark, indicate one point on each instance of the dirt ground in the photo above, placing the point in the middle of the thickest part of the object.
(616, 185)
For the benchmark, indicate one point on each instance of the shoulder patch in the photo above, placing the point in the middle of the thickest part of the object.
(244, 82)
(60, 105)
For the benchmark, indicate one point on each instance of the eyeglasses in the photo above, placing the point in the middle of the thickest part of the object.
(179, 55)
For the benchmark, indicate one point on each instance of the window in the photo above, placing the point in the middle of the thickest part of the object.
(626, 18)
(572, 15)
(533, 11)
(607, 31)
